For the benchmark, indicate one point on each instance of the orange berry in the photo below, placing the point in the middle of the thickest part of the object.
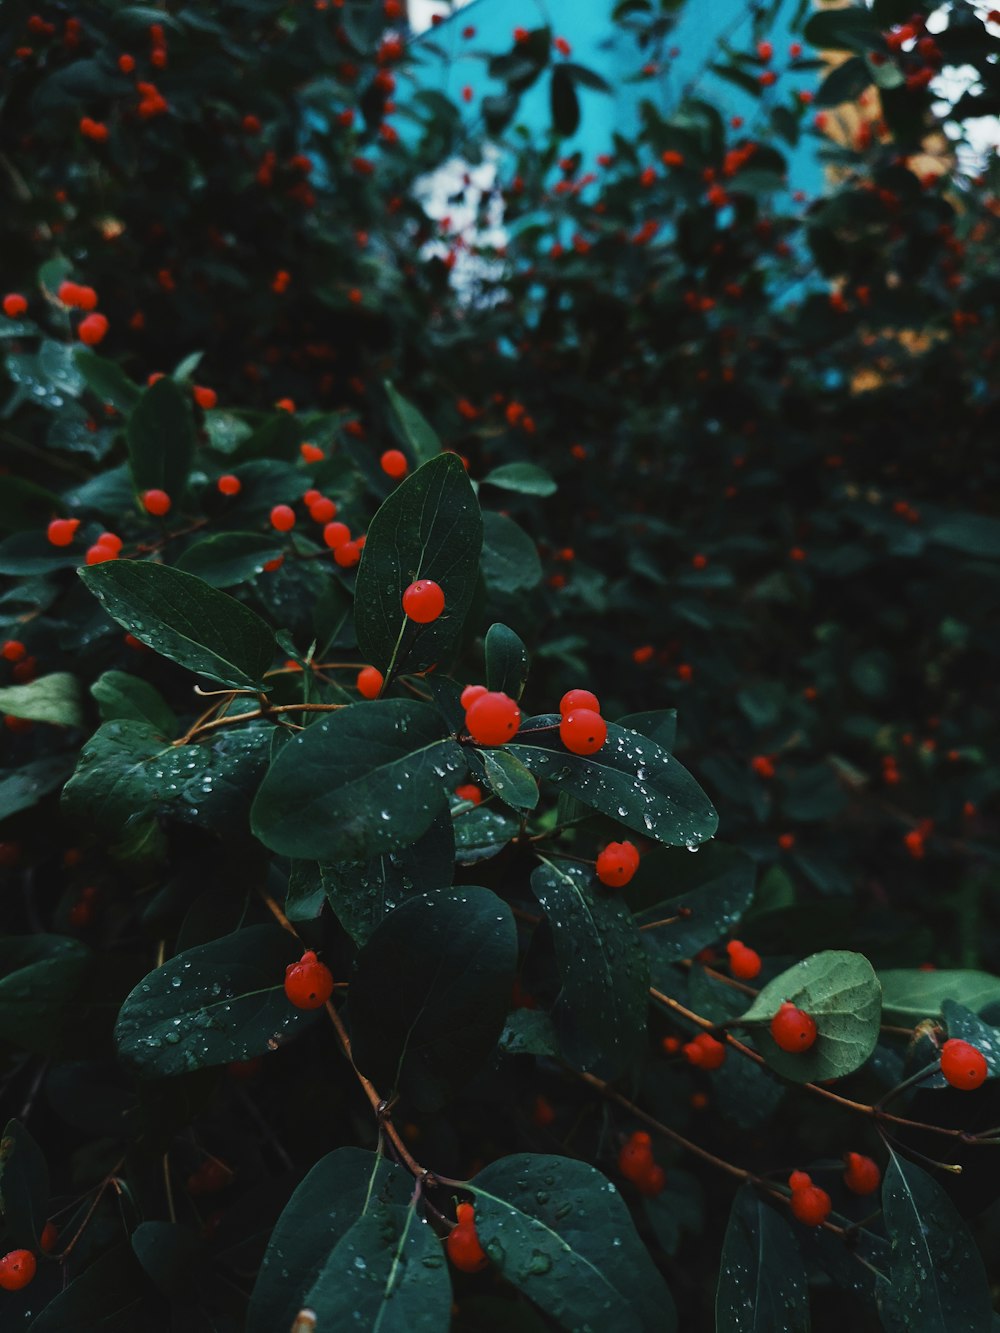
(861, 1175)
(14, 304)
(92, 329)
(283, 518)
(61, 531)
(810, 1205)
(156, 502)
(311, 453)
(203, 396)
(492, 718)
(229, 484)
(393, 463)
(462, 1246)
(369, 682)
(744, 963)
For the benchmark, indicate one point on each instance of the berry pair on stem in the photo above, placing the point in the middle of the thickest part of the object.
(636, 1163)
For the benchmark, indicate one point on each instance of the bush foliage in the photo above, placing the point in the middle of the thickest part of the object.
(659, 429)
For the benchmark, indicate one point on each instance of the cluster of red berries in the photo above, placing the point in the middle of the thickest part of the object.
(308, 983)
(793, 1029)
(18, 1267)
(491, 717)
(809, 1204)
(582, 729)
(704, 1051)
(744, 963)
(636, 1163)
(963, 1065)
(462, 1246)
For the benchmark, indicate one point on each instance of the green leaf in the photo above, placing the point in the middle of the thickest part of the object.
(481, 833)
(430, 527)
(603, 970)
(30, 553)
(659, 724)
(161, 438)
(106, 379)
(368, 779)
(111, 1295)
(25, 787)
(845, 82)
(128, 770)
(848, 29)
(442, 1015)
(362, 893)
(972, 534)
(630, 778)
(185, 619)
(506, 661)
(529, 1032)
(24, 1187)
(387, 1275)
(509, 779)
(721, 881)
(40, 976)
(416, 431)
(841, 992)
(121, 696)
(564, 102)
(551, 1226)
(230, 557)
(762, 1280)
(214, 1003)
(173, 1257)
(336, 1192)
(524, 478)
(937, 1282)
(910, 994)
(510, 558)
(55, 699)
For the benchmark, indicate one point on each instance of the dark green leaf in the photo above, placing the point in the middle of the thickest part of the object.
(445, 1009)
(161, 438)
(525, 478)
(368, 779)
(334, 1195)
(630, 778)
(430, 527)
(127, 769)
(362, 893)
(481, 833)
(509, 779)
(185, 619)
(212, 1004)
(659, 724)
(762, 1281)
(25, 787)
(40, 975)
(911, 994)
(841, 992)
(549, 1225)
(937, 1283)
(111, 1295)
(121, 696)
(106, 379)
(510, 558)
(564, 102)
(230, 557)
(54, 699)
(845, 82)
(716, 887)
(602, 968)
(506, 661)
(173, 1258)
(414, 428)
(24, 1187)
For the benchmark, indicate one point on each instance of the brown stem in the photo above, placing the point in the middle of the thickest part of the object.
(98, 1196)
(269, 711)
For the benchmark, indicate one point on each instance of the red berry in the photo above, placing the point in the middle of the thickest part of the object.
(652, 1181)
(321, 510)
(308, 983)
(48, 1238)
(798, 1180)
(77, 297)
(92, 329)
(492, 718)
(636, 1156)
(229, 485)
(862, 1175)
(963, 1065)
(578, 699)
(17, 1268)
(348, 554)
(744, 963)
(111, 540)
(470, 694)
(543, 1112)
(617, 864)
(423, 601)
(811, 1205)
(705, 1052)
(369, 682)
(469, 792)
(61, 531)
(311, 453)
(204, 397)
(792, 1029)
(393, 463)
(156, 502)
(336, 534)
(14, 304)
(98, 553)
(13, 650)
(462, 1245)
(583, 731)
(283, 518)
